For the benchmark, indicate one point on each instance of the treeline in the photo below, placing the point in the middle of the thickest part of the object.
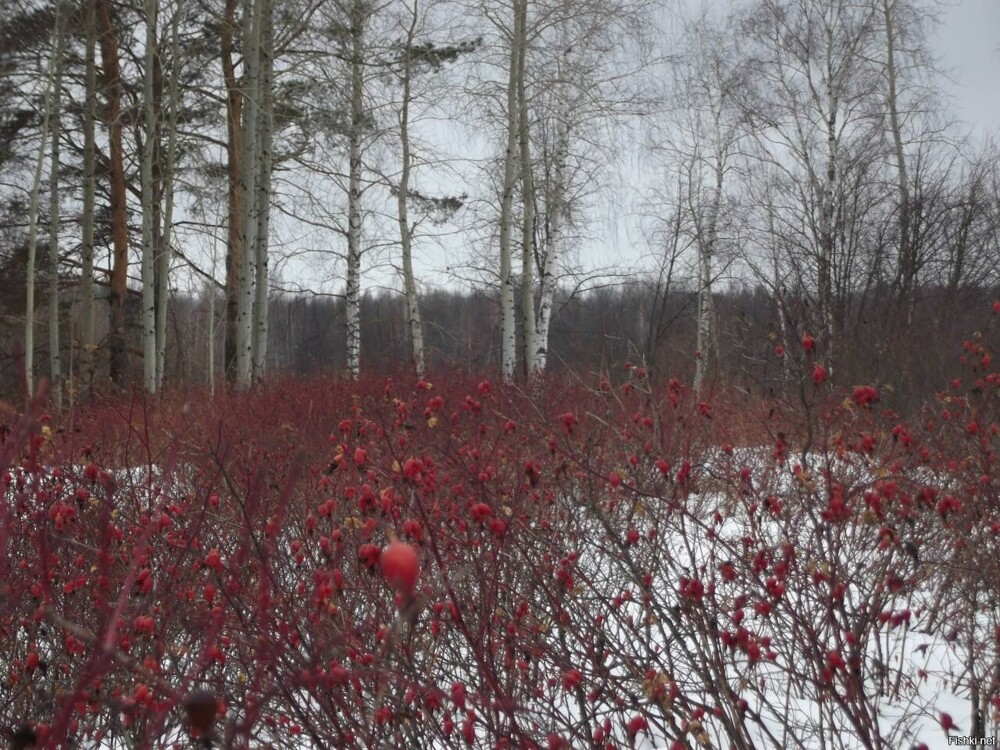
(594, 333)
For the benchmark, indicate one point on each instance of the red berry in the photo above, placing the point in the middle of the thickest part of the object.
(400, 566)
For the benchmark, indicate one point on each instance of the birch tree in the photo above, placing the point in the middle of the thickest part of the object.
(402, 194)
(234, 151)
(55, 360)
(29, 313)
(264, 159)
(359, 14)
(170, 168)
(556, 204)
(88, 344)
(248, 175)
(508, 333)
(527, 193)
(149, 378)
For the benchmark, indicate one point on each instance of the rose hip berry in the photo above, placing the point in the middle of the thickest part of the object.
(400, 566)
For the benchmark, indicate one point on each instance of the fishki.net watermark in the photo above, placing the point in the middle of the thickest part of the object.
(967, 741)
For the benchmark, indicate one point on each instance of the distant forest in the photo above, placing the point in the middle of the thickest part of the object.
(592, 334)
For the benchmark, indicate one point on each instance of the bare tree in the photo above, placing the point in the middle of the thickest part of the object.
(710, 126)
(149, 379)
(88, 343)
(112, 84)
(170, 168)
(47, 105)
(55, 359)
(263, 190)
(815, 98)
(508, 335)
(402, 195)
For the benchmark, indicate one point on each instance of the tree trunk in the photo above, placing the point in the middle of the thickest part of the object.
(508, 334)
(907, 259)
(556, 210)
(234, 149)
(36, 189)
(827, 207)
(707, 248)
(118, 354)
(148, 200)
(250, 92)
(263, 197)
(405, 235)
(87, 341)
(55, 360)
(527, 196)
(353, 291)
(163, 258)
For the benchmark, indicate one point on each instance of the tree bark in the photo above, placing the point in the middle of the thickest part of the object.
(706, 251)
(36, 189)
(234, 149)
(827, 207)
(508, 334)
(55, 359)
(263, 198)
(556, 209)
(907, 261)
(527, 196)
(148, 200)
(118, 354)
(353, 291)
(170, 166)
(250, 93)
(405, 235)
(88, 344)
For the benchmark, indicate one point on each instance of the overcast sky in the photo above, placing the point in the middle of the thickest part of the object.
(969, 42)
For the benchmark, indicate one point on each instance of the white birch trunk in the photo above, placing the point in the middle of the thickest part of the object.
(36, 188)
(87, 340)
(354, 218)
(405, 235)
(556, 211)
(148, 252)
(704, 316)
(55, 360)
(527, 196)
(508, 334)
(251, 62)
(826, 214)
(163, 259)
(265, 157)
(706, 250)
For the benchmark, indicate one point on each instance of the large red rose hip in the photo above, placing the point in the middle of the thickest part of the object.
(400, 566)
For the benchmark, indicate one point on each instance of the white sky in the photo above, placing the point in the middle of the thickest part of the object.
(969, 42)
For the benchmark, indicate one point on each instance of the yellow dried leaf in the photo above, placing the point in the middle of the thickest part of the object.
(432, 422)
